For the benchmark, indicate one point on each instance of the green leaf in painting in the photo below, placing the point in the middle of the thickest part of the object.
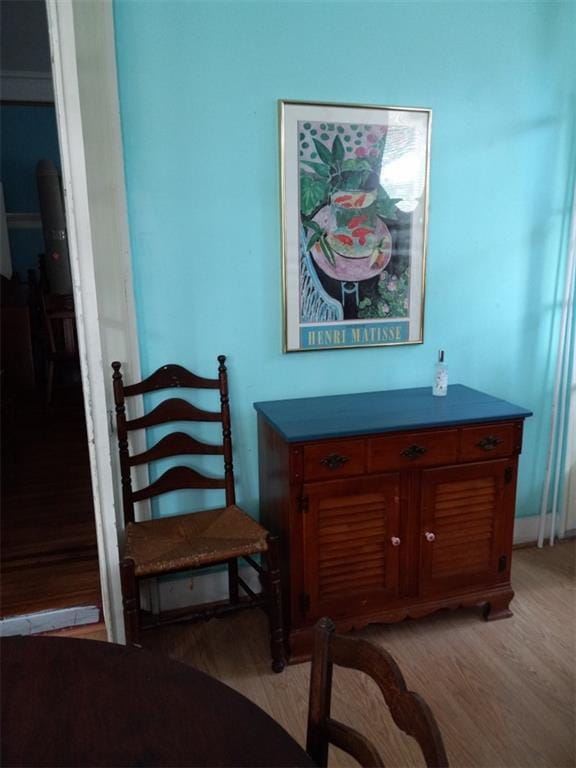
(313, 191)
(314, 226)
(313, 240)
(354, 181)
(386, 205)
(320, 168)
(386, 211)
(324, 152)
(337, 151)
(327, 250)
(355, 164)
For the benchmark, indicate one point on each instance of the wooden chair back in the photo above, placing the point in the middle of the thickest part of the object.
(409, 711)
(173, 409)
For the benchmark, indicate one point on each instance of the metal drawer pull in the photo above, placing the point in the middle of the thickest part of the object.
(489, 442)
(334, 461)
(395, 541)
(430, 536)
(413, 452)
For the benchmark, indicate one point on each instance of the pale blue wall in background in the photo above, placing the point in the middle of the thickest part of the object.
(28, 134)
(199, 84)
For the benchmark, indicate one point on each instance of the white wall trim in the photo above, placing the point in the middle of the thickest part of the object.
(526, 529)
(47, 621)
(75, 184)
(569, 512)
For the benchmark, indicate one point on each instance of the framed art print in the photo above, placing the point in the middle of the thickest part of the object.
(354, 195)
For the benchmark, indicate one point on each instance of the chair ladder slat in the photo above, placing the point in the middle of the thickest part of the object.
(176, 444)
(174, 409)
(167, 377)
(176, 479)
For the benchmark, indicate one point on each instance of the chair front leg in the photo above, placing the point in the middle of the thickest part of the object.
(130, 601)
(233, 580)
(274, 590)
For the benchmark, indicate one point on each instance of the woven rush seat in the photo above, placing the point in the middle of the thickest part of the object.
(175, 543)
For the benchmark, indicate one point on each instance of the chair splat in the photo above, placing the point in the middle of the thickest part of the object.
(409, 711)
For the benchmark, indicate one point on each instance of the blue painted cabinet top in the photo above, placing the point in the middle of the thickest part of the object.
(317, 418)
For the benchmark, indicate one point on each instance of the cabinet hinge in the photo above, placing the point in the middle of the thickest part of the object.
(502, 563)
(303, 504)
(508, 475)
(304, 602)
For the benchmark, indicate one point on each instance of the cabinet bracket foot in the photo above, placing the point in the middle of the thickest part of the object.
(498, 607)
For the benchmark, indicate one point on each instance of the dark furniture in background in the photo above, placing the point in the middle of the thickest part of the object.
(70, 702)
(389, 504)
(200, 539)
(17, 356)
(16, 338)
(38, 335)
(61, 344)
(409, 711)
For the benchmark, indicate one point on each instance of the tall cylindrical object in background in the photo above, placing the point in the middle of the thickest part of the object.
(54, 228)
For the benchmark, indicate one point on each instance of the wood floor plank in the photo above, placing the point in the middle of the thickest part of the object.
(503, 692)
(48, 556)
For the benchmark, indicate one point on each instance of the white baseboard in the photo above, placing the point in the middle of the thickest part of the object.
(201, 588)
(209, 587)
(526, 528)
(47, 621)
(182, 592)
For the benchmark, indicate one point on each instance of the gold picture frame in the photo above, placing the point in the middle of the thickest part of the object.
(354, 207)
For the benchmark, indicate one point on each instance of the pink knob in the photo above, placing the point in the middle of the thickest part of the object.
(430, 536)
(395, 541)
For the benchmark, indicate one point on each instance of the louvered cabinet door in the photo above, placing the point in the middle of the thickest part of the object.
(351, 545)
(467, 519)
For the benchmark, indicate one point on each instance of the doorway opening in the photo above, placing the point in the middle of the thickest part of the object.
(49, 556)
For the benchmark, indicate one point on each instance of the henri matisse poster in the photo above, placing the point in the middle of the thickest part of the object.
(354, 189)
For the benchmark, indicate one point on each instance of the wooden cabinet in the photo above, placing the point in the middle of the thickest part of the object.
(350, 529)
(389, 504)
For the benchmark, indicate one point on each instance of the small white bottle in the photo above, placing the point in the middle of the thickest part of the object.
(440, 386)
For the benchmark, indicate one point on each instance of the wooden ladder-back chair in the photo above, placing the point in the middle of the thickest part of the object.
(409, 711)
(199, 539)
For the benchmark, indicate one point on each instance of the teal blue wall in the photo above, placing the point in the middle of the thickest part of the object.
(199, 83)
(28, 134)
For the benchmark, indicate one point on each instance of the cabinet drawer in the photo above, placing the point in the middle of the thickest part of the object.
(332, 460)
(488, 441)
(419, 449)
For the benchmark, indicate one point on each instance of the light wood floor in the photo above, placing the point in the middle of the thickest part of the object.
(503, 692)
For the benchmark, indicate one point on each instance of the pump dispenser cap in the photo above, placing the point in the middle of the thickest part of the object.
(441, 356)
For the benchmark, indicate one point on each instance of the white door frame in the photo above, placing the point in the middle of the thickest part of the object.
(65, 19)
